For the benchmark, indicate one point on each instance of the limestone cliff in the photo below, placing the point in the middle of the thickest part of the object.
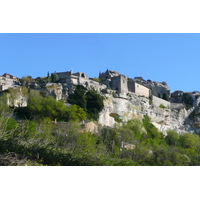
(131, 106)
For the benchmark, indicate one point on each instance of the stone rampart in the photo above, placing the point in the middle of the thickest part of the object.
(141, 90)
(157, 102)
(177, 106)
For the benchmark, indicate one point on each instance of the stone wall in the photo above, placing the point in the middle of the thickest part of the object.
(159, 90)
(119, 83)
(177, 106)
(131, 85)
(63, 75)
(158, 101)
(141, 90)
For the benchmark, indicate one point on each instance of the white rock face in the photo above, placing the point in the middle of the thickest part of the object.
(53, 89)
(17, 100)
(134, 107)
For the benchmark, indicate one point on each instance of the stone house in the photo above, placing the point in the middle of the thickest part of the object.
(8, 81)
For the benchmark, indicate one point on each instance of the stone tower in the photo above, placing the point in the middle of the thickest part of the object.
(119, 83)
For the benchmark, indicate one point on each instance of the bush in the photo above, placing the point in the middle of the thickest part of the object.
(162, 106)
(188, 100)
(172, 138)
(165, 97)
(152, 131)
(47, 107)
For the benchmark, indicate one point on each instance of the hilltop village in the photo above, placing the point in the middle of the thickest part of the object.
(124, 97)
(109, 79)
(63, 83)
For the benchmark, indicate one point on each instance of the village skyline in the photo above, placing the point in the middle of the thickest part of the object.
(173, 58)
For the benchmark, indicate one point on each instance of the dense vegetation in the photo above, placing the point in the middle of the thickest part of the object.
(90, 101)
(40, 141)
(40, 107)
(188, 100)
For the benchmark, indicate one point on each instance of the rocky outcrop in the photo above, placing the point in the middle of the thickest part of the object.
(135, 107)
(16, 97)
(53, 89)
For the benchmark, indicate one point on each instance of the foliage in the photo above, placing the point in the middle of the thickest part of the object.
(26, 79)
(90, 101)
(39, 107)
(78, 97)
(162, 106)
(187, 100)
(165, 97)
(152, 131)
(94, 104)
(172, 138)
(54, 78)
(97, 80)
(43, 142)
(41, 80)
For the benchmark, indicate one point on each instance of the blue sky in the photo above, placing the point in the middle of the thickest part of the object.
(174, 58)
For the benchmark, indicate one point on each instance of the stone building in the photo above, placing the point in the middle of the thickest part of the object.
(157, 89)
(8, 81)
(123, 84)
(69, 80)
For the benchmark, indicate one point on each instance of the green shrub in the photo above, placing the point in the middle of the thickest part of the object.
(188, 100)
(162, 106)
(165, 97)
(47, 107)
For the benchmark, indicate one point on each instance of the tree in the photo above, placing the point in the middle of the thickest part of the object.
(78, 97)
(172, 138)
(54, 77)
(90, 101)
(189, 140)
(39, 107)
(26, 79)
(94, 104)
(165, 97)
(188, 100)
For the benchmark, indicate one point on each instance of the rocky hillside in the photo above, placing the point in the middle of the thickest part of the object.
(182, 115)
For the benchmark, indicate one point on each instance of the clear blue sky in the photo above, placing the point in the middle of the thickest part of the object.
(174, 58)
